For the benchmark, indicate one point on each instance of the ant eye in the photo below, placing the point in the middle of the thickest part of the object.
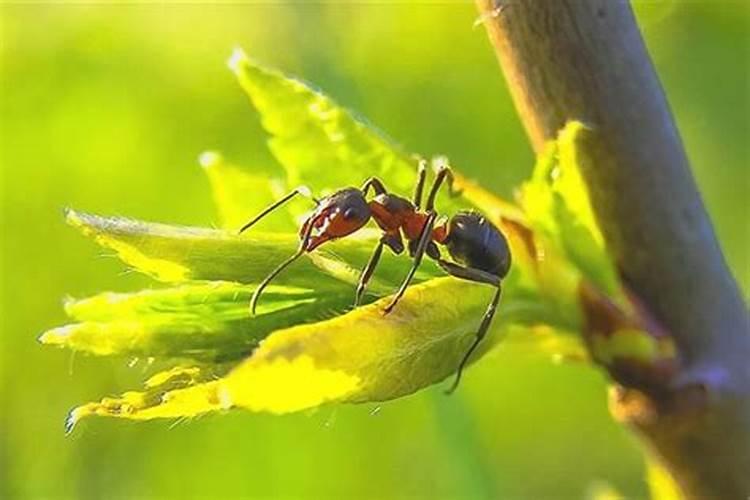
(350, 213)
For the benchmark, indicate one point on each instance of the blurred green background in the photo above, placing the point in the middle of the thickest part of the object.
(106, 107)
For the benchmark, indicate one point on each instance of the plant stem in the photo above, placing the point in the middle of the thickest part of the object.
(586, 60)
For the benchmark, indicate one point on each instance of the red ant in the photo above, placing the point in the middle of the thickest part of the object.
(479, 249)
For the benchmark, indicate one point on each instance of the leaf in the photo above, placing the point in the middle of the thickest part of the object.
(576, 274)
(178, 253)
(204, 322)
(240, 194)
(318, 142)
(371, 356)
(557, 205)
(360, 356)
(580, 233)
(177, 392)
(569, 182)
(661, 484)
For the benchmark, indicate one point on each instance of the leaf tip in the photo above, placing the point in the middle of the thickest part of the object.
(71, 420)
(86, 223)
(573, 133)
(55, 336)
(225, 398)
(68, 303)
(574, 127)
(71, 216)
(78, 413)
(237, 60)
(210, 159)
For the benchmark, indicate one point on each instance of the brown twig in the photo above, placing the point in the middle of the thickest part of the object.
(586, 60)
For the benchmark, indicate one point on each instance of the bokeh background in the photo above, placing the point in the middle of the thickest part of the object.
(106, 107)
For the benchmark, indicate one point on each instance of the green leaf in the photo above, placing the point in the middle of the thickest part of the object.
(178, 253)
(183, 391)
(579, 231)
(569, 182)
(366, 356)
(360, 356)
(240, 194)
(576, 276)
(660, 482)
(557, 205)
(318, 142)
(204, 322)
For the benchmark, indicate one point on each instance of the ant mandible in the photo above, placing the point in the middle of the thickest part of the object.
(479, 249)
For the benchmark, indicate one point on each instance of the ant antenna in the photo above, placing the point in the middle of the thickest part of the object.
(263, 284)
(270, 277)
(303, 190)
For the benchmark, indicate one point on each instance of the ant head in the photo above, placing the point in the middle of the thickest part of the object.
(336, 216)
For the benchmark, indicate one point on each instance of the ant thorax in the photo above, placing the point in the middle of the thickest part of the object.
(390, 211)
(394, 213)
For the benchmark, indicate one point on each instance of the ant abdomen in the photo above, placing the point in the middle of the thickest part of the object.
(475, 242)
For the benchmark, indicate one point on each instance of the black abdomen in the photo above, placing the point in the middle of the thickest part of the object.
(475, 242)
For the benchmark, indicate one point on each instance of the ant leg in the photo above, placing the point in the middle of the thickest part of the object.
(376, 185)
(303, 190)
(392, 241)
(263, 284)
(444, 173)
(364, 278)
(421, 176)
(424, 240)
(486, 321)
(477, 276)
(468, 273)
(425, 236)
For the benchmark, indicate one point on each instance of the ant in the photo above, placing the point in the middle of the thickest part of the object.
(479, 250)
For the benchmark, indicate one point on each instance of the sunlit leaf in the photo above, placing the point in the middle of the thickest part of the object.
(177, 392)
(377, 357)
(580, 234)
(661, 484)
(206, 322)
(569, 182)
(240, 194)
(179, 253)
(557, 205)
(320, 143)
(360, 356)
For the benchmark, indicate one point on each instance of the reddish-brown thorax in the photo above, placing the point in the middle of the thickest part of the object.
(407, 219)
